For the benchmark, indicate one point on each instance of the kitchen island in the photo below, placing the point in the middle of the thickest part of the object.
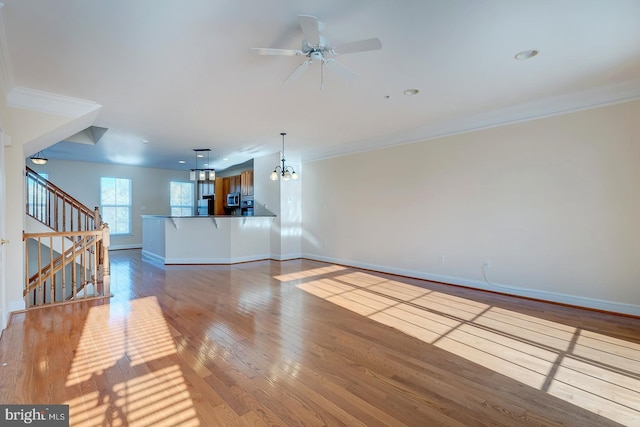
(214, 239)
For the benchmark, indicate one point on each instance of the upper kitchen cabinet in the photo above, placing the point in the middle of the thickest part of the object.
(234, 183)
(246, 183)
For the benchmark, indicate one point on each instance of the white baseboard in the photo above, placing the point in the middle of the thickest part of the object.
(121, 247)
(152, 256)
(208, 260)
(574, 300)
(286, 257)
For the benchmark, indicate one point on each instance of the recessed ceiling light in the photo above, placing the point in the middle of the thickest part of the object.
(182, 162)
(411, 92)
(144, 141)
(200, 155)
(525, 54)
(225, 159)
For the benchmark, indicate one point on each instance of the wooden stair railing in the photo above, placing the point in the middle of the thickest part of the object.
(79, 242)
(87, 259)
(56, 209)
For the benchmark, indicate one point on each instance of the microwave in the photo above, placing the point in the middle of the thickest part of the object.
(233, 200)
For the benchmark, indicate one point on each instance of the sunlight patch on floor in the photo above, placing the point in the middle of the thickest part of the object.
(593, 371)
(129, 346)
(309, 273)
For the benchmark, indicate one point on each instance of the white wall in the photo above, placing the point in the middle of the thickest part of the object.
(282, 198)
(150, 189)
(291, 215)
(552, 203)
(4, 139)
(266, 195)
(4, 312)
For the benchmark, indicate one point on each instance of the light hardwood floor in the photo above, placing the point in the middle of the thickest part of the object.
(301, 343)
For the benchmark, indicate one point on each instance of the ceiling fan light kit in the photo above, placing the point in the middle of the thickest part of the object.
(316, 49)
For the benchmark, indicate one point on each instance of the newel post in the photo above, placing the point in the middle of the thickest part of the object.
(97, 220)
(106, 274)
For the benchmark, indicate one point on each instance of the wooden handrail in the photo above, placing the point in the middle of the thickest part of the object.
(65, 234)
(42, 204)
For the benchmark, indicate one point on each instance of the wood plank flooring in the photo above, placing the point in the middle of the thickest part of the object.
(304, 343)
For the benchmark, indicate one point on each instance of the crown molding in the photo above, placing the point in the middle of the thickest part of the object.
(553, 106)
(31, 99)
(6, 69)
(51, 103)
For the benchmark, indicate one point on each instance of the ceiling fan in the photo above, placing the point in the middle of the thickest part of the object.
(316, 49)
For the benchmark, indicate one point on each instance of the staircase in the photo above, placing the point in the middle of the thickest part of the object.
(69, 260)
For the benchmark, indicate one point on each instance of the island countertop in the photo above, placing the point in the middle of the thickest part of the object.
(212, 239)
(208, 216)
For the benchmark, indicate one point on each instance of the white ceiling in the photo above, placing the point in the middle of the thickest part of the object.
(181, 75)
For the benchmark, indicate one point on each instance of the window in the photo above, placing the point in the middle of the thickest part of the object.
(37, 199)
(181, 198)
(115, 204)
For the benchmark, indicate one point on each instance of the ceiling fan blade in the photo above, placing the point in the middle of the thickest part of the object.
(283, 52)
(359, 46)
(298, 71)
(310, 28)
(338, 68)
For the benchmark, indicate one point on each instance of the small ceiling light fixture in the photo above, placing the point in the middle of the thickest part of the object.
(39, 158)
(525, 54)
(411, 92)
(200, 174)
(286, 171)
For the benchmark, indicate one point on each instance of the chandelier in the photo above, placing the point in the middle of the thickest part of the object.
(287, 172)
(199, 174)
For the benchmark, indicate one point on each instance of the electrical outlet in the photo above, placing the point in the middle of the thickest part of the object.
(487, 263)
(442, 258)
